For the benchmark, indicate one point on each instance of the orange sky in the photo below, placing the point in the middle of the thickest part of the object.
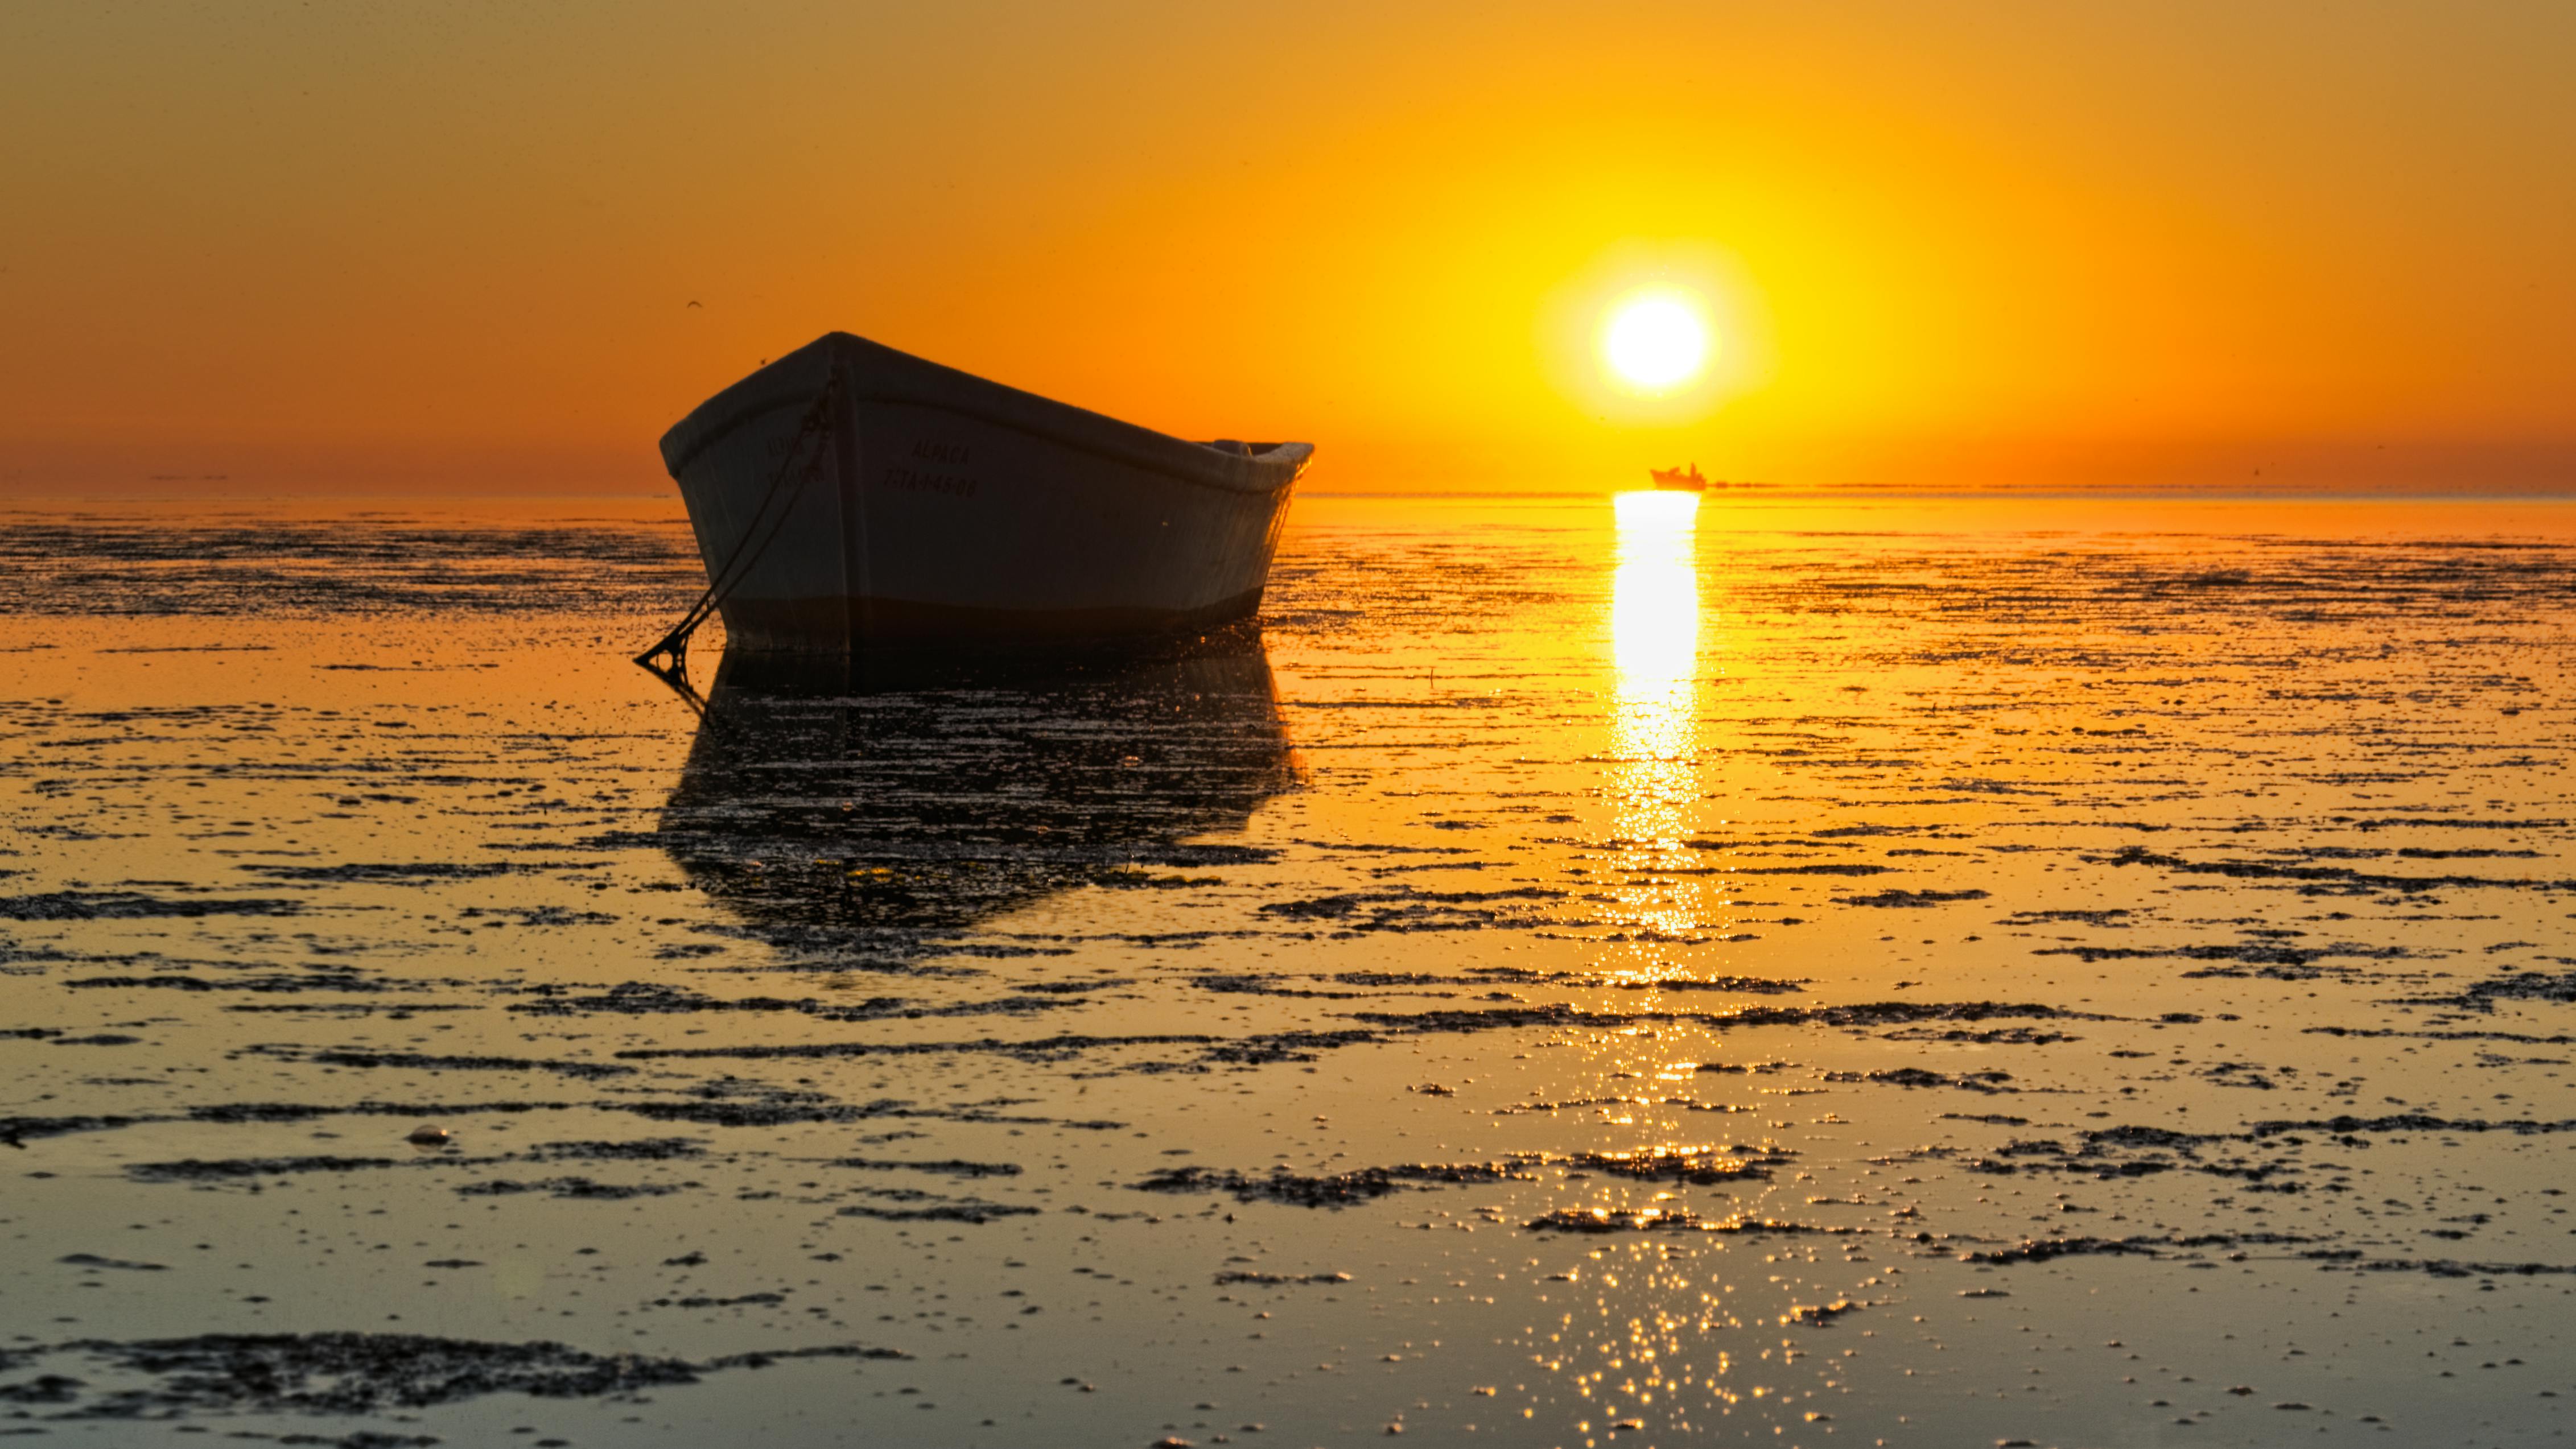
(451, 246)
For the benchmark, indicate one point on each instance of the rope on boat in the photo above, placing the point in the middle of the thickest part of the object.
(669, 656)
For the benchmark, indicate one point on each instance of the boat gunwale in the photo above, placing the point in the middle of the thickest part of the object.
(891, 377)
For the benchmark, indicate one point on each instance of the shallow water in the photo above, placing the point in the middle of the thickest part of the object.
(1583, 974)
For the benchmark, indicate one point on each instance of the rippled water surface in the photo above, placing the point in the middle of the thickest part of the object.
(1583, 973)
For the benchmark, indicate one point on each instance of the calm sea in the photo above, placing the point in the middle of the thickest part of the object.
(1585, 972)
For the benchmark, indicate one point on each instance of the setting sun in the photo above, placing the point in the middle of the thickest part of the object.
(1655, 340)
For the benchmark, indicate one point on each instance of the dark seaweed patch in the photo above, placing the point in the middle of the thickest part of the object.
(1684, 1103)
(193, 1169)
(2131, 1137)
(305, 1112)
(2269, 959)
(2527, 1038)
(134, 906)
(16, 1131)
(1698, 1165)
(1737, 985)
(2114, 917)
(1284, 1046)
(1410, 908)
(43, 1389)
(782, 1111)
(2042, 1250)
(968, 1210)
(1400, 978)
(577, 1188)
(1920, 1077)
(1903, 899)
(1701, 1166)
(1334, 1190)
(1054, 1048)
(1858, 1014)
(1623, 1220)
(363, 1373)
(1993, 1036)
(2519, 986)
(1818, 1315)
(2453, 822)
(642, 1149)
(2319, 878)
(549, 915)
(1247, 984)
(94, 1261)
(949, 1168)
(2453, 1268)
(271, 982)
(233, 1169)
(636, 998)
(2412, 1122)
(364, 874)
(424, 1062)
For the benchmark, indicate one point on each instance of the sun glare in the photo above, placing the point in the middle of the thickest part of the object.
(1654, 720)
(1656, 340)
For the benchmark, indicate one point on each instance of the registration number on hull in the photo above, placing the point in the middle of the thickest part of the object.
(933, 459)
(921, 480)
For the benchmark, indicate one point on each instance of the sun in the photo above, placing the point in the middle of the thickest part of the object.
(1656, 334)
(1655, 339)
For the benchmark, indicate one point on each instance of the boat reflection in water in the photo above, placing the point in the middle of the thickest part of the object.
(860, 813)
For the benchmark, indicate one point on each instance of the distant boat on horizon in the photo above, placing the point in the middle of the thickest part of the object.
(848, 494)
(1675, 480)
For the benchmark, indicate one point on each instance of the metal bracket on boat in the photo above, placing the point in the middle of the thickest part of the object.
(669, 656)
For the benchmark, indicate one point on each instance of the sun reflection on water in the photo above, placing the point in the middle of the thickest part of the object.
(1654, 726)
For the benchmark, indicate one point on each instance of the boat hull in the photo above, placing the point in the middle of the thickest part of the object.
(936, 505)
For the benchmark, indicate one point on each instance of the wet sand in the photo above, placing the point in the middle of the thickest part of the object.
(1808, 972)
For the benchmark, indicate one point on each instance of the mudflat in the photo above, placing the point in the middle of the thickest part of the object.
(1582, 972)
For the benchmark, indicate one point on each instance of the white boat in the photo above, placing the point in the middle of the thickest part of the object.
(848, 493)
